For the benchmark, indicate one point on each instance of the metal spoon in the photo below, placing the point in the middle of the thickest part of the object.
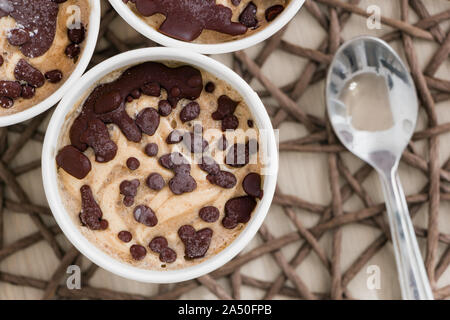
(382, 149)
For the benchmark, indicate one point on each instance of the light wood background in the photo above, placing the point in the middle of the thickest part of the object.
(303, 174)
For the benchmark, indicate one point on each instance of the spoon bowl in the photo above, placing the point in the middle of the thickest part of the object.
(381, 148)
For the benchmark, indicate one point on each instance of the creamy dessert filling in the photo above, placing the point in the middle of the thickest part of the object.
(207, 21)
(40, 43)
(160, 165)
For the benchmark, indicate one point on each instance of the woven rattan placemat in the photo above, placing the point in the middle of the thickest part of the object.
(325, 229)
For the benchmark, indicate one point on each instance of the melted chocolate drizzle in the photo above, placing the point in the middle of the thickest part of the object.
(186, 19)
(107, 102)
(38, 19)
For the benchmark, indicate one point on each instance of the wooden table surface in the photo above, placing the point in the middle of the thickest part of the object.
(304, 175)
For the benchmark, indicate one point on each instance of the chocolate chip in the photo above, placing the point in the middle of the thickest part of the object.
(174, 137)
(136, 94)
(248, 16)
(173, 160)
(210, 87)
(6, 103)
(97, 136)
(148, 121)
(74, 162)
(252, 185)
(230, 122)
(155, 181)
(195, 142)
(175, 91)
(138, 252)
(26, 72)
(151, 149)
(273, 12)
(91, 214)
(158, 244)
(225, 106)
(190, 112)
(209, 214)
(223, 179)
(196, 243)
(125, 236)
(238, 155)
(209, 165)
(222, 144)
(129, 190)
(109, 101)
(77, 35)
(238, 210)
(236, 2)
(152, 89)
(73, 50)
(250, 123)
(145, 215)
(133, 163)
(54, 76)
(10, 89)
(168, 255)
(18, 37)
(1, 60)
(28, 91)
(164, 108)
(182, 183)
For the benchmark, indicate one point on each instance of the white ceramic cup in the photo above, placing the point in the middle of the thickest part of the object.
(142, 27)
(84, 86)
(83, 62)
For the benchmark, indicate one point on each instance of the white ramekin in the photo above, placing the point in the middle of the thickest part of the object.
(142, 27)
(88, 51)
(86, 83)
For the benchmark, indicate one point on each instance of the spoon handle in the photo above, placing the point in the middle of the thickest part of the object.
(413, 278)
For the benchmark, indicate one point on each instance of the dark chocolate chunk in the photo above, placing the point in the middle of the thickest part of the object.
(223, 179)
(210, 87)
(195, 81)
(182, 183)
(151, 149)
(74, 162)
(145, 215)
(72, 51)
(230, 122)
(155, 181)
(148, 121)
(6, 102)
(236, 2)
(110, 102)
(125, 236)
(190, 112)
(129, 190)
(18, 37)
(54, 76)
(252, 185)
(238, 210)
(238, 155)
(250, 123)
(10, 89)
(138, 252)
(209, 165)
(273, 12)
(97, 137)
(175, 137)
(26, 72)
(174, 160)
(196, 243)
(136, 94)
(158, 244)
(164, 108)
(195, 142)
(209, 214)
(28, 91)
(186, 19)
(91, 214)
(133, 163)
(225, 107)
(248, 16)
(76, 34)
